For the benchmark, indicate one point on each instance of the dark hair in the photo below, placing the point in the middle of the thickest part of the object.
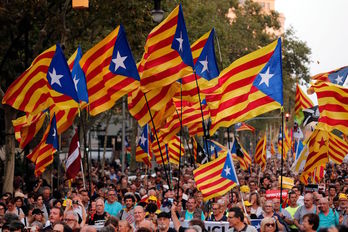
(143, 229)
(238, 213)
(199, 223)
(61, 213)
(112, 221)
(129, 196)
(313, 220)
(65, 226)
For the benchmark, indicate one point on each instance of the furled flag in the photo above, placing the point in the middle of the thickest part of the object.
(242, 126)
(300, 162)
(47, 81)
(73, 162)
(206, 65)
(228, 171)
(209, 180)
(127, 145)
(213, 148)
(273, 152)
(260, 152)
(250, 86)
(318, 150)
(42, 155)
(241, 155)
(167, 55)
(78, 76)
(287, 142)
(333, 106)
(142, 153)
(110, 71)
(200, 156)
(26, 127)
(338, 76)
(302, 101)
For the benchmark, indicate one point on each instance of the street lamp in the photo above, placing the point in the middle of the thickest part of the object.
(157, 13)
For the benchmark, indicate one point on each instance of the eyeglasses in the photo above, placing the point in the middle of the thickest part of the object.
(270, 225)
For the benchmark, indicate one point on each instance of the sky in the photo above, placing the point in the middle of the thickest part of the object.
(323, 25)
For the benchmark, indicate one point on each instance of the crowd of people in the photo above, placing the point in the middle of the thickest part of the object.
(146, 202)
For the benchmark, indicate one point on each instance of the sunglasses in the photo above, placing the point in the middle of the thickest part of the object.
(270, 225)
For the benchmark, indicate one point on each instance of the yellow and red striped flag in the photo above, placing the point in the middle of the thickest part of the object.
(338, 148)
(302, 101)
(273, 152)
(317, 150)
(337, 76)
(156, 150)
(174, 150)
(250, 86)
(287, 141)
(209, 181)
(260, 152)
(167, 55)
(32, 93)
(26, 127)
(333, 106)
(110, 71)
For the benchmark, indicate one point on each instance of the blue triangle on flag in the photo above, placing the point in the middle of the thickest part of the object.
(52, 137)
(206, 65)
(181, 41)
(122, 61)
(270, 79)
(228, 171)
(79, 78)
(59, 76)
(144, 139)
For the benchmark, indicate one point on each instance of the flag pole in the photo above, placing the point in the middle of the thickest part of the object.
(180, 139)
(158, 143)
(282, 161)
(205, 136)
(83, 176)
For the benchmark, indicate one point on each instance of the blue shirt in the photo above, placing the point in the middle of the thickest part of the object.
(112, 209)
(189, 216)
(327, 221)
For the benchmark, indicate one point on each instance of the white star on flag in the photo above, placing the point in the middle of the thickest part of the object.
(143, 140)
(119, 61)
(55, 78)
(227, 170)
(266, 77)
(54, 133)
(205, 64)
(76, 81)
(200, 153)
(212, 148)
(339, 79)
(180, 40)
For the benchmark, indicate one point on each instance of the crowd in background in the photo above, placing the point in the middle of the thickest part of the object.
(146, 202)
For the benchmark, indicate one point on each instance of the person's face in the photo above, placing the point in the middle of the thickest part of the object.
(139, 214)
(232, 220)
(129, 203)
(248, 209)
(276, 204)
(293, 199)
(297, 191)
(323, 205)
(191, 204)
(54, 215)
(58, 228)
(270, 227)
(70, 220)
(308, 202)
(19, 203)
(93, 206)
(84, 197)
(2, 210)
(111, 196)
(99, 207)
(268, 207)
(38, 217)
(46, 193)
(252, 186)
(216, 209)
(10, 206)
(332, 192)
(163, 223)
(306, 225)
(122, 226)
(39, 201)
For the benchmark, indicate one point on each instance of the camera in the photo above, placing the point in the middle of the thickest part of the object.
(75, 202)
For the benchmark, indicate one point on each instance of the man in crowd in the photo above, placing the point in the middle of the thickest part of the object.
(128, 212)
(139, 216)
(327, 216)
(112, 207)
(163, 221)
(100, 215)
(191, 211)
(307, 208)
(56, 215)
(292, 208)
(236, 221)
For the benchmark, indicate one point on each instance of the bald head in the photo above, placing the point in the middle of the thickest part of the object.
(308, 200)
(139, 214)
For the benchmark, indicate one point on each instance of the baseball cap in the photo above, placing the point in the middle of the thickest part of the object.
(163, 214)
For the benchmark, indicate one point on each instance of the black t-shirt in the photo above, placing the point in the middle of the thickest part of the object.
(169, 230)
(98, 220)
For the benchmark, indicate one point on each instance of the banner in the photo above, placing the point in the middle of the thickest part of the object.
(270, 194)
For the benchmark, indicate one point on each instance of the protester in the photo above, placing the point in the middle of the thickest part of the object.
(218, 213)
(100, 216)
(236, 221)
(268, 225)
(307, 208)
(310, 222)
(327, 216)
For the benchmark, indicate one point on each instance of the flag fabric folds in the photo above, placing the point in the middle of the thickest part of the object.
(250, 86)
(338, 148)
(73, 162)
(333, 106)
(78, 76)
(209, 181)
(167, 56)
(174, 150)
(156, 150)
(110, 71)
(337, 76)
(302, 101)
(241, 155)
(242, 126)
(142, 153)
(260, 153)
(228, 171)
(37, 88)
